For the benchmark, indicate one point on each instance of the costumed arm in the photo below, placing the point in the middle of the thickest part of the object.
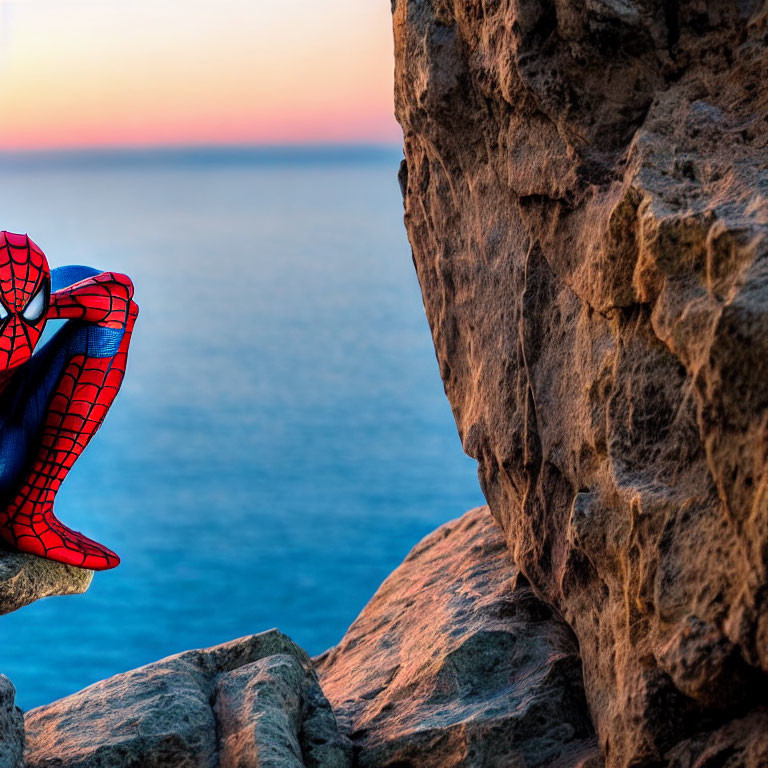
(103, 299)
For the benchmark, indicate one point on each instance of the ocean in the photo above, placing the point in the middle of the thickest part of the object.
(282, 438)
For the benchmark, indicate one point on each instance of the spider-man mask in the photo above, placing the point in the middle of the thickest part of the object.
(25, 290)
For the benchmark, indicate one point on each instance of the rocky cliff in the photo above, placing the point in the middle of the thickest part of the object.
(454, 663)
(585, 189)
(585, 192)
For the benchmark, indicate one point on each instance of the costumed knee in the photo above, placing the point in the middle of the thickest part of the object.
(124, 282)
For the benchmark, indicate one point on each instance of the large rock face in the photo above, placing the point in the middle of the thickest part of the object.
(455, 663)
(251, 702)
(26, 578)
(585, 195)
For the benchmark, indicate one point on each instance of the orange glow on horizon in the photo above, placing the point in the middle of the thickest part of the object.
(81, 74)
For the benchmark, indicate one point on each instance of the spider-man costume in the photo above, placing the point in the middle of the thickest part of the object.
(52, 402)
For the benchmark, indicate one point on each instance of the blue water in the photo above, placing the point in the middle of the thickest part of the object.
(282, 438)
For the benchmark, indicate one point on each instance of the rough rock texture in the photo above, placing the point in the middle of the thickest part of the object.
(454, 662)
(253, 702)
(11, 727)
(585, 194)
(26, 578)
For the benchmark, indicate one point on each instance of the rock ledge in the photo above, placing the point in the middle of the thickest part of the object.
(26, 578)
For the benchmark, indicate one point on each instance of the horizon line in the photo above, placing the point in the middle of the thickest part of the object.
(208, 153)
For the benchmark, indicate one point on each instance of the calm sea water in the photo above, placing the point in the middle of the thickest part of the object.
(282, 438)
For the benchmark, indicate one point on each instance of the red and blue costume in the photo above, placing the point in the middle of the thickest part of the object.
(52, 402)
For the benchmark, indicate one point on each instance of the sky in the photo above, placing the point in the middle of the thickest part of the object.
(103, 73)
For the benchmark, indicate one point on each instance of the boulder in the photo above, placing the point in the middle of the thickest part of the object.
(26, 578)
(250, 702)
(456, 663)
(11, 727)
(586, 197)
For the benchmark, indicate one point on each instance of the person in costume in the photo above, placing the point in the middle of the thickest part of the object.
(54, 399)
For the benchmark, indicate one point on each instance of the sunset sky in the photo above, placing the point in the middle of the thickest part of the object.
(79, 73)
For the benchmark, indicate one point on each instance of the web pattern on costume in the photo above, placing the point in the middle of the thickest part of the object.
(102, 307)
(23, 273)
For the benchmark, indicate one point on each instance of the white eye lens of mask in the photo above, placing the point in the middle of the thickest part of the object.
(3, 312)
(34, 309)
